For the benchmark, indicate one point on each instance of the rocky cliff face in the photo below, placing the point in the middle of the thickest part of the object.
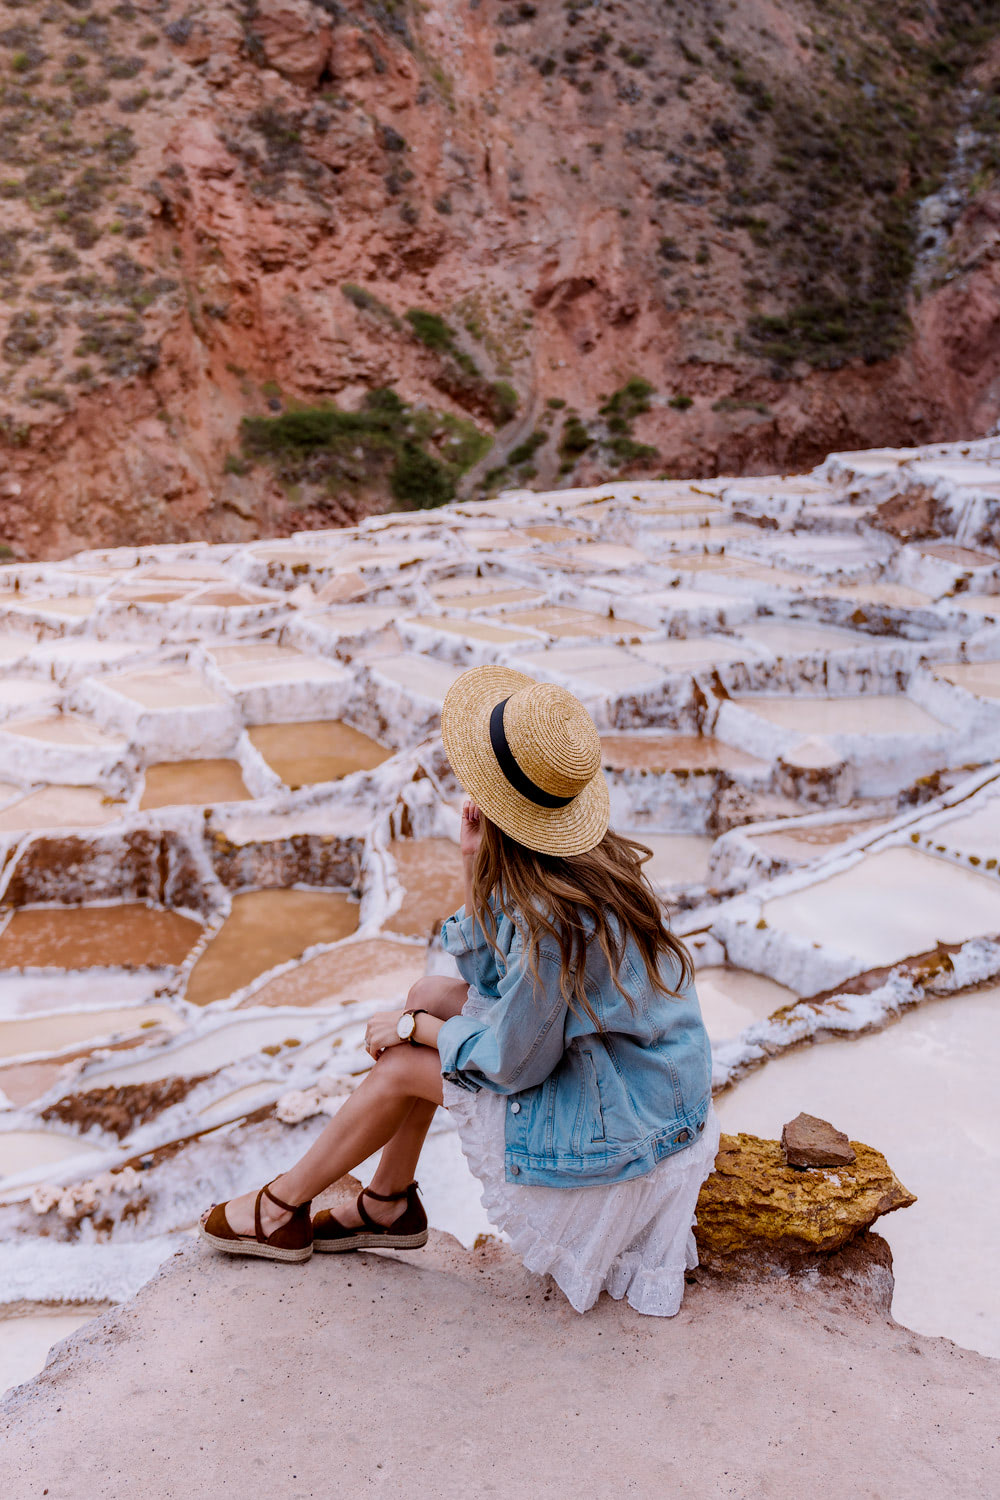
(571, 240)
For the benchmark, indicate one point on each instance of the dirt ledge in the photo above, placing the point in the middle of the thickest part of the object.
(448, 1373)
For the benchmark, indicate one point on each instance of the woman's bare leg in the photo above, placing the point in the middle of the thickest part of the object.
(398, 1097)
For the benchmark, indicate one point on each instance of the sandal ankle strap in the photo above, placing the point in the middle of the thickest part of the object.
(289, 1207)
(389, 1197)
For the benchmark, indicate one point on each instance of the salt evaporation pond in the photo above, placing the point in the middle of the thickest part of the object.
(890, 905)
(156, 775)
(925, 1091)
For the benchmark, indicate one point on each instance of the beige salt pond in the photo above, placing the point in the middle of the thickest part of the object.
(888, 906)
(370, 969)
(981, 678)
(236, 1039)
(263, 662)
(924, 1092)
(25, 1342)
(678, 858)
(264, 929)
(976, 833)
(315, 751)
(806, 843)
(674, 752)
(85, 937)
(678, 655)
(60, 807)
(466, 596)
(792, 638)
(164, 687)
(472, 630)
(34, 1150)
(64, 729)
(26, 1036)
(430, 872)
(867, 714)
(192, 783)
(557, 621)
(731, 998)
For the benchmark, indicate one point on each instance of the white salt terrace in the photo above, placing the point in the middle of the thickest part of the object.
(889, 905)
(247, 736)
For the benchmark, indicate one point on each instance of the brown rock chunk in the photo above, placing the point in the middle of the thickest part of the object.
(755, 1212)
(808, 1141)
(296, 38)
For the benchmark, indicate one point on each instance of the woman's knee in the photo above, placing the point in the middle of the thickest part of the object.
(439, 996)
(408, 1071)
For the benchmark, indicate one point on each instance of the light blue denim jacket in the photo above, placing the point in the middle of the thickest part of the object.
(586, 1106)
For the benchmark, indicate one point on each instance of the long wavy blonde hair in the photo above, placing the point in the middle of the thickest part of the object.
(545, 895)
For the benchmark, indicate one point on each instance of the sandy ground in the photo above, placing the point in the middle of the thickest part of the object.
(450, 1373)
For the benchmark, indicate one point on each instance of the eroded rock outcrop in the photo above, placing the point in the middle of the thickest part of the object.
(756, 1212)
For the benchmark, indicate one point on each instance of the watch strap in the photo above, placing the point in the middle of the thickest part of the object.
(412, 1038)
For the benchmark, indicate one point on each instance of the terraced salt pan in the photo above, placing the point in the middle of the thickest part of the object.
(191, 783)
(808, 841)
(34, 1150)
(325, 750)
(678, 859)
(430, 872)
(470, 630)
(888, 906)
(369, 969)
(671, 752)
(60, 807)
(255, 662)
(64, 729)
(212, 1049)
(88, 937)
(981, 678)
(56, 1033)
(982, 604)
(25, 1343)
(591, 669)
(557, 621)
(20, 693)
(422, 676)
(163, 688)
(793, 638)
(870, 713)
(976, 833)
(924, 1092)
(678, 655)
(462, 593)
(731, 998)
(264, 929)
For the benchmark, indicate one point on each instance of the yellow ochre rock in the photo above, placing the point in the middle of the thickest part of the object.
(755, 1210)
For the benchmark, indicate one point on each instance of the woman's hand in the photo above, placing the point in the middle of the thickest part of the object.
(472, 830)
(380, 1032)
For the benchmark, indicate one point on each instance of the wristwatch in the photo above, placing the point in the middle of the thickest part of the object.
(407, 1025)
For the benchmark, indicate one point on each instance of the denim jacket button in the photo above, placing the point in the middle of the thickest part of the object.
(515, 1108)
(685, 1135)
(701, 1127)
(514, 1171)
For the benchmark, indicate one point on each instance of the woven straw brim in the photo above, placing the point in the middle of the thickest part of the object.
(465, 728)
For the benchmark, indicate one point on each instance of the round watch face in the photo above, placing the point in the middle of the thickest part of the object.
(405, 1026)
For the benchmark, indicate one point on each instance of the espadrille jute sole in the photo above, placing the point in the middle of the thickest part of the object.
(254, 1247)
(368, 1241)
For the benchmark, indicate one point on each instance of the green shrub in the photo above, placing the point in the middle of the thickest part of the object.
(431, 330)
(575, 438)
(420, 480)
(681, 402)
(506, 402)
(525, 452)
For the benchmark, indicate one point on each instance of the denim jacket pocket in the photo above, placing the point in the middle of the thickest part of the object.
(592, 1093)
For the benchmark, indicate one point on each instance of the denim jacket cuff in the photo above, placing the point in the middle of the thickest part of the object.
(458, 934)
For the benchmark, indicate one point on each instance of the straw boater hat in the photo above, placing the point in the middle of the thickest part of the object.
(529, 755)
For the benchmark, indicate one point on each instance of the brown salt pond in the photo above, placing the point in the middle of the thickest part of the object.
(264, 929)
(191, 783)
(87, 937)
(674, 752)
(368, 969)
(430, 872)
(318, 750)
(24, 1082)
(463, 593)
(60, 807)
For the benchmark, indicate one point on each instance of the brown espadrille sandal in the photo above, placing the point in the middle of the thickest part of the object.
(293, 1241)
(408, 1232)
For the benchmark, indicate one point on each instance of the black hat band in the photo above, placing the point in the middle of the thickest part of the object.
(510, 768)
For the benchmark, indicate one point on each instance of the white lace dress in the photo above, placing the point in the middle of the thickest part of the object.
(631, 1239)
